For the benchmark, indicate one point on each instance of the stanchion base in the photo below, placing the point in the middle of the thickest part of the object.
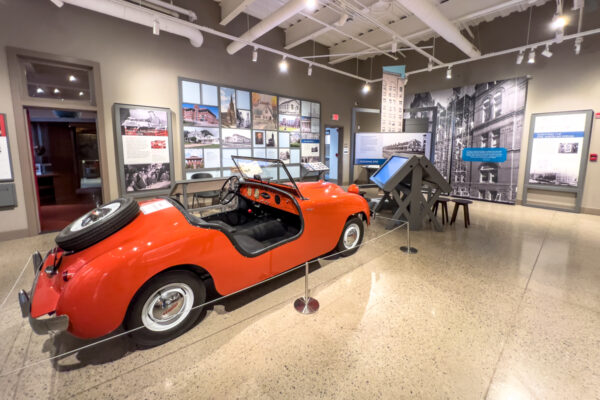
(405, 249)
(306, 306)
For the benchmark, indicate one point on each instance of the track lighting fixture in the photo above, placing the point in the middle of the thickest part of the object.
(283, 65)
(547, 52)
(394, 46)
(430, 65)
(39, 90)
(559, 22)
(578, 42)
(81, 93)
(531, 57)
(311, 4)
(156, 28)
(449, 73)
(309, 72)
(254, 55)
(520, 56)
(56, 91)
(366, 88)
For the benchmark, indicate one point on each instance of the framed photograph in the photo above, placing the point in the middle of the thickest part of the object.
(198, 115)
(228, 108)
(6, 172)
(195, 136)
(289, 106)
(289, 122)
(295, 138)
(271, 139)
(235, 138)
(144, 149)
(194, 158)
(243, 119)
(264, 111)
(259, 139)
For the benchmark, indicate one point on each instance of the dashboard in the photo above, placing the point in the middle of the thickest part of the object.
(268, 197)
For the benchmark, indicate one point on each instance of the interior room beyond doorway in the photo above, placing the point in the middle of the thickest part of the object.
(66, 165)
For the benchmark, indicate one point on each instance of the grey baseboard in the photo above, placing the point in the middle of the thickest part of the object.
(11, 235)
(592, 211)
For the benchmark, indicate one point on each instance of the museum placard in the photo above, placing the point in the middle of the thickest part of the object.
(145, 148)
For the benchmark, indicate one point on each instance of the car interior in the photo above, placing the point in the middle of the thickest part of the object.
(261, 218)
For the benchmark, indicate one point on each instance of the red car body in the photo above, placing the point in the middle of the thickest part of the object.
(95, 286)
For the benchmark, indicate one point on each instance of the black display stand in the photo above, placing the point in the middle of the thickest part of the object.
(406, 187)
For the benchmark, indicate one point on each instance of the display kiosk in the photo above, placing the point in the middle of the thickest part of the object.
(404, 178)
(313, 171)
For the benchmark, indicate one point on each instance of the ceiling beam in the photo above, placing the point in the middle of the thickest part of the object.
(306, 38)
(433, 17)
(232, 8)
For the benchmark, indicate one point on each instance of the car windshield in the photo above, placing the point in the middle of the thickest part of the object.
(265, 170)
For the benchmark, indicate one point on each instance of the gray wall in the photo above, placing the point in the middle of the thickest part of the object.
(139, 68)
(563, 82)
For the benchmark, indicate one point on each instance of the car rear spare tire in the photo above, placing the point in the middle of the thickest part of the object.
(97, 224)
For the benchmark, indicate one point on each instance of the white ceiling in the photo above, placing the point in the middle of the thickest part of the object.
(374, 22)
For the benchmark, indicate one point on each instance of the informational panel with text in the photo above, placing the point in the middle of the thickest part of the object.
(373, 148)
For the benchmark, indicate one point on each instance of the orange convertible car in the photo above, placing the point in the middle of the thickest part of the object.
(147, 266)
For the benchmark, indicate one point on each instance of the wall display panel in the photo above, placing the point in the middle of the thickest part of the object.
(375, 148)
(222, 121)
(144, 148)
(210, 95)
(557, 157)
(485, 115)
(6, 173)
(284, 139)
(556, 149)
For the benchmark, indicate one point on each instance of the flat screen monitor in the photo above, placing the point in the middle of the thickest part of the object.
(388, 170)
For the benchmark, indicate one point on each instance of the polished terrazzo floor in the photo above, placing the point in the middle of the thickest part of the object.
(507, 309)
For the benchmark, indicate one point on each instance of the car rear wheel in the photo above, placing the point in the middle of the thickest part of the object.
(352, 236)
(165, 307)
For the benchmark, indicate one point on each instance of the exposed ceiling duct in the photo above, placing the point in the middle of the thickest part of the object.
(433, 17)
(180, 10)
(286, 11)
(132, 13)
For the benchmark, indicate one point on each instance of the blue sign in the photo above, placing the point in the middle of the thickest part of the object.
(396, 70)
(369, 161)
(484, 154)
(545, 135)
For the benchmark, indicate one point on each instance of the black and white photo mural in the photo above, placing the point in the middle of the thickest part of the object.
(482, 116)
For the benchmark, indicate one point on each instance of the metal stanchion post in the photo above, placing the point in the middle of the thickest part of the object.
(306, 304)
(407, 248)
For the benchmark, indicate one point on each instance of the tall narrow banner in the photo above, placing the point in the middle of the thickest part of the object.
(392, 98)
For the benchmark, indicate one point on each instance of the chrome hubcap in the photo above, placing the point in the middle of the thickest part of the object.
(167, 307)
(351, 236)
(94, 216)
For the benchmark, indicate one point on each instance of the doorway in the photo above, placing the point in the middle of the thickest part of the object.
(66, 164)
(334, 138)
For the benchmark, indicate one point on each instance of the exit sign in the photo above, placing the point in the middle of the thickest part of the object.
(335, 117)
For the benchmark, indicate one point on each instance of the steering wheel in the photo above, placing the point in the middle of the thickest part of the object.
(229, 190)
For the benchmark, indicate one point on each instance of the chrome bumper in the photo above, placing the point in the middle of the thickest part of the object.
(41, 326)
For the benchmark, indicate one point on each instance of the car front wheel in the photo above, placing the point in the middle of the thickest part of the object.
(352, 236)
(165, 307)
